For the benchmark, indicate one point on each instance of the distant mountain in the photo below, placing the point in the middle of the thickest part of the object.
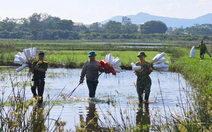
(170, 22)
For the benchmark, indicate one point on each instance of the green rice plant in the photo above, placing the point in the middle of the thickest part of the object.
(71, 54)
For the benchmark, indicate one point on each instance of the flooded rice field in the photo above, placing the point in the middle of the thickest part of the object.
(113, 94)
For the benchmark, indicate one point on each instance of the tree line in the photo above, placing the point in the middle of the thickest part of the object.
(46, 27)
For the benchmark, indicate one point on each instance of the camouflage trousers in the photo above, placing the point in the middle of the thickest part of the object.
(143, 85)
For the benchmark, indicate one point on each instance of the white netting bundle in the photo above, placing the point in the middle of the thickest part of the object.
(158, 63)
(25, 58)
(114, 62)
(111, 64)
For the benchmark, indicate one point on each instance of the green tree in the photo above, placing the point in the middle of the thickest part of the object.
(49, 22)
(113, 27)
(80, 28)
(35, 21)
(178, 31)
(64, 25)
(95, 27)
(9, 24)
(153, 27)
(197, 29)
(126, 20)
(129, 28)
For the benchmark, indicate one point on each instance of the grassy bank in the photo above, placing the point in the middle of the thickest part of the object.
(198, 73)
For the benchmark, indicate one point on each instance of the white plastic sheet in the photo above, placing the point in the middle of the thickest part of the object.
(192, 52)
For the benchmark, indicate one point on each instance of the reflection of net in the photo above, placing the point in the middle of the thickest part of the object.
(25, 58)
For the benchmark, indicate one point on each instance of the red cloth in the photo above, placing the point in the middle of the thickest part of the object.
(107, 67)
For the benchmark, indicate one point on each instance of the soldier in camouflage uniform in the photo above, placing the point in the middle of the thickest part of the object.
(203, 49)
(143, 79)
(39, 69)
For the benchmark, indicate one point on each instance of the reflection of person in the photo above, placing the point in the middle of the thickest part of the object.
(91, 69)
(203, 49)
(92, 119)
(39, 68)
(37, 118)
(143, 118)
(143, 79)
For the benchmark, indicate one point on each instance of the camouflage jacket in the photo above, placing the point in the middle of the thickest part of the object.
(39, 74)
(145, 70)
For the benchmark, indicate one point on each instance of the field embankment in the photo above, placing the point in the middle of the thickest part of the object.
(198, 73)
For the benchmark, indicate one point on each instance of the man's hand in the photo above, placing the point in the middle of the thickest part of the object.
(150, 65)
(136, 72)
(81, 81)
(29, 65)
(36, 67)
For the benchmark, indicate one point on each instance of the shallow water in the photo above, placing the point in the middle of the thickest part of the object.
(118, 90)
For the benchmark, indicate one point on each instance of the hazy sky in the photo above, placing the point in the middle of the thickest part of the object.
(89, 11)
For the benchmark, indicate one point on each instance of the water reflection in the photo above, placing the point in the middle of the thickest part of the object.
(37, 119)
(143, 118)
(123, 82)
(91, 123)
(92, 118)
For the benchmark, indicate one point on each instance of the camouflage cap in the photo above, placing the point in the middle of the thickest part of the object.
(141, 54)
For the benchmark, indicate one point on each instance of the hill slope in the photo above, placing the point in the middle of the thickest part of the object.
(170, 22)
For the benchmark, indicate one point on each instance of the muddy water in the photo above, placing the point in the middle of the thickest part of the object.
(113, 93)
